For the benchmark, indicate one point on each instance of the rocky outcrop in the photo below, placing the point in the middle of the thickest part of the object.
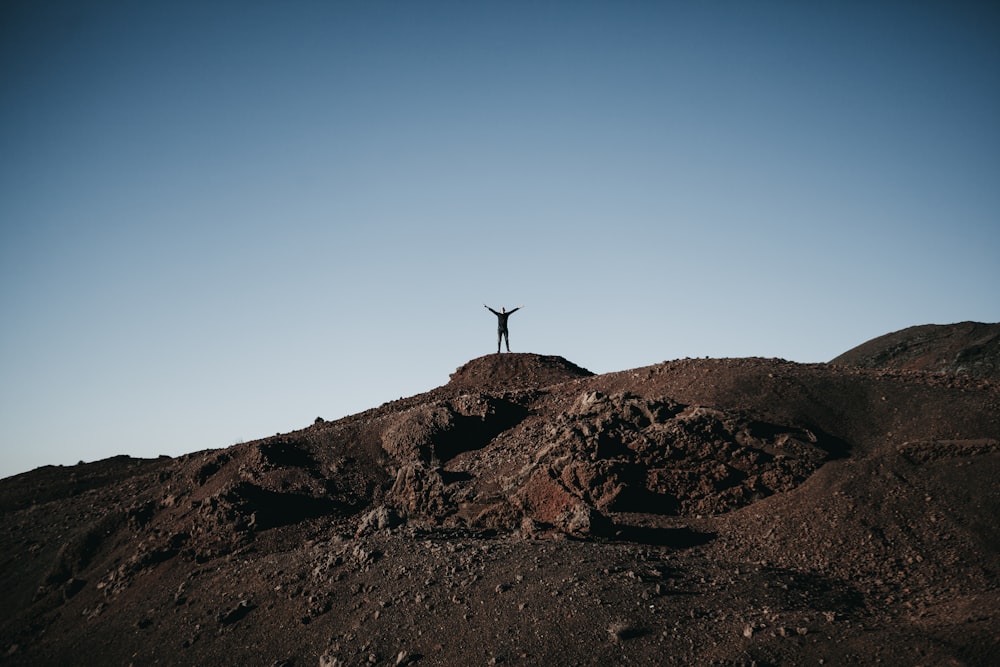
(437, 432)
(603, 455)
(611, 454)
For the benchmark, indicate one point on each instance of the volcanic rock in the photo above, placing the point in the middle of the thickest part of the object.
(709, 511)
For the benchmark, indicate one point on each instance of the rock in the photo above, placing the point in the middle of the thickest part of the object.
(583, 520)
(405, 658)
(237, 613)
(363, 556)
(419, 491)
(545, 499)
(413, 434)
(380, 518)
(621, 630)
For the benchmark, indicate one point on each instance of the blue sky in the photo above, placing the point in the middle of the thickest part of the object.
(220, 220)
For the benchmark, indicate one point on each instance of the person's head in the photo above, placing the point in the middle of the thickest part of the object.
(502, 309)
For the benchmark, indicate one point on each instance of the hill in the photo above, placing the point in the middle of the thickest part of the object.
(966, 348)
(735, 511)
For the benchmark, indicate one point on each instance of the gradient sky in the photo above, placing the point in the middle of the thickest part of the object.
(220, 220)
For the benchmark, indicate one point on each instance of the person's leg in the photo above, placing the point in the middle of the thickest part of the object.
(499, 338)
(506, 338)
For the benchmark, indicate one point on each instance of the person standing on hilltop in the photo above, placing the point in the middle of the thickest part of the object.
(502, 316)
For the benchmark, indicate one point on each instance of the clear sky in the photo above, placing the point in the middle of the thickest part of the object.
(220, 220)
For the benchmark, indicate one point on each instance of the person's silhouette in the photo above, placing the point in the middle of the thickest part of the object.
(502, 333)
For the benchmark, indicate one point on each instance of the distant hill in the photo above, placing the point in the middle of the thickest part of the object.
(966, 348)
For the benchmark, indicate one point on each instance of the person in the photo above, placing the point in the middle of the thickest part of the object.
(502, 333)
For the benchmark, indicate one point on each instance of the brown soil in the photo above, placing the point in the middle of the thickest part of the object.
(967, 348)
(726, 511)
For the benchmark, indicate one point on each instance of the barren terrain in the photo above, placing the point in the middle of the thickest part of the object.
(696, 511)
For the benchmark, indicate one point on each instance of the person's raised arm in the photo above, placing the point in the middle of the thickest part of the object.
(490, 309)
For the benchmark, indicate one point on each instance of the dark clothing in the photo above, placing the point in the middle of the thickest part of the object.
(502, 333)
(502, 318)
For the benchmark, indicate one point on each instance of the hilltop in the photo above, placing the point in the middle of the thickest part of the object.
(966, 348)
(735, 511)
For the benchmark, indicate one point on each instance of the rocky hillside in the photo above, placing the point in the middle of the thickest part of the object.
(735, 511)
(967, 348)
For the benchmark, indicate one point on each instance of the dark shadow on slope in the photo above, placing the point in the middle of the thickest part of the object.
(271, 508)
(286, 454)
(835, 448)
(636, 498)
(451, 477)
(802, 591)
(78, 552)
(473, 432)
(680, 538)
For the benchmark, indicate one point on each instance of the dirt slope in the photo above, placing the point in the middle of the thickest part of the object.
(966, 348)
(735, 511)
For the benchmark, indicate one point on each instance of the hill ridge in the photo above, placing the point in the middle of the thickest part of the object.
(964, 348)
